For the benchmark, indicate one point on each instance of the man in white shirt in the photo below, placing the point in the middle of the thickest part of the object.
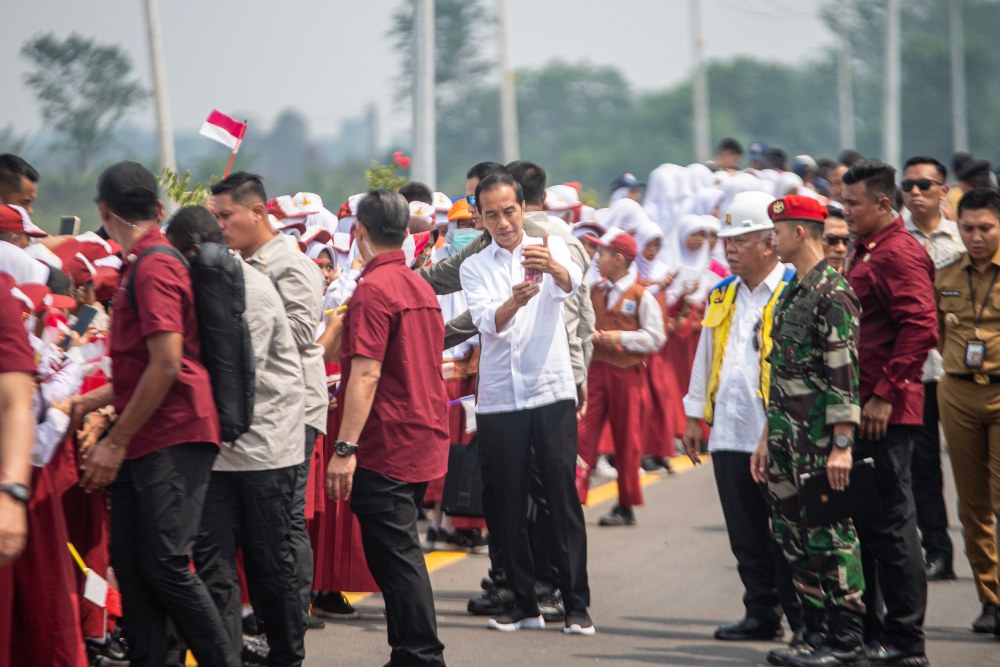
(527, 397)
(725, 390)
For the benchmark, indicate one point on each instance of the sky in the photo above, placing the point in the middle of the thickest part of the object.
(331, 58)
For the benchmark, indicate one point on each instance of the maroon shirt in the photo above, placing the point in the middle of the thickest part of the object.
(17, 356)
(395, 318)
(893, 277)
(165, 301)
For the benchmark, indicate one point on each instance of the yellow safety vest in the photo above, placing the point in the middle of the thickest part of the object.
(719, 318)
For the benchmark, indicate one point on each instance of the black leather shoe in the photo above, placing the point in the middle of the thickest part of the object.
(500, 601)
(796, 648)
(885, 654)
(618, 516)
(986, 622)
(750, 629)
(937, 570)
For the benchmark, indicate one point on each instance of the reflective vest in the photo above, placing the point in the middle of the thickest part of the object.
(719, 318)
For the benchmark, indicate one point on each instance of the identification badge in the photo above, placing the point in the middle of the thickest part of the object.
(975, 354)
(629, 307)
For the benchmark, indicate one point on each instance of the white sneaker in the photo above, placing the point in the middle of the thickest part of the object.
(514, 622)
(579, 623)
(605, 469)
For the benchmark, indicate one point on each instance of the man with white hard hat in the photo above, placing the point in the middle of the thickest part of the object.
(728, 390)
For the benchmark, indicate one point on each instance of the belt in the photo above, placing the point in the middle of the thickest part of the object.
(978, 378)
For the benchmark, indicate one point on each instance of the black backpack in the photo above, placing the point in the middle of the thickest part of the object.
(226, 348)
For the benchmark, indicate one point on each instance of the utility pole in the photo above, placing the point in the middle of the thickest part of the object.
(959, 114)
(424, 137)
(372, 122)
(702, 142)
(164, 127)
(891, 115)
(508, 90)
(845, 82)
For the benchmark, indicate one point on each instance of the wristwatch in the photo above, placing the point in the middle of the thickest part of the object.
(17, 491)
(344, 449)
(843, 441)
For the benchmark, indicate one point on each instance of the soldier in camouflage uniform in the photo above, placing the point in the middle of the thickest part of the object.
(811, 415)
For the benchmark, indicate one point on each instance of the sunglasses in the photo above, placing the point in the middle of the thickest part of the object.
(471, 200)
(923, 183)
(830, 239)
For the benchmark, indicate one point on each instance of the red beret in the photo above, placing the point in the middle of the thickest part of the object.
(797, 207)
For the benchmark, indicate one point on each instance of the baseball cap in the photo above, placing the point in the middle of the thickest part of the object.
(459, 211)
(797, 207)
(757, 151)
(747, 213)
(15, 219)
(626, 180)
(127, 183)
(618, 241)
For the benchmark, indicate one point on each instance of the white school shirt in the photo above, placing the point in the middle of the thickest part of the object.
(650, 336)
(739, 411)
(527, 364)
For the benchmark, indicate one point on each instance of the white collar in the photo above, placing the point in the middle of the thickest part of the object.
(771, 280)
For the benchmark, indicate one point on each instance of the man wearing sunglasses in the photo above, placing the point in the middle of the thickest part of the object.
(836, 238)
(924, 192)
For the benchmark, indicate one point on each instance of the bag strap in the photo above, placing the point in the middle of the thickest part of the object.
(156, 249)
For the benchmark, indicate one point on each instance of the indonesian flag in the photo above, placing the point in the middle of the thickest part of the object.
(220, 127)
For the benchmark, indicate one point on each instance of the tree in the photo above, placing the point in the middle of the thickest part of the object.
(83, 88)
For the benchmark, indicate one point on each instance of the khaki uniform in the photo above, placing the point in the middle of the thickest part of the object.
(969, 403)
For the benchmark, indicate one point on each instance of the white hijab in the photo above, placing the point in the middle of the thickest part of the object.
(655, 269)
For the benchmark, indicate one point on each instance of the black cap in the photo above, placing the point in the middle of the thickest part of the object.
(127, 183)
(626, 180)
(973, 168)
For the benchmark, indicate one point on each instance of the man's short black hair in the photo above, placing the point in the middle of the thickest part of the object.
(484, 169)
(729, 145)
(193, 225)
(848, 157)
(959, 159)
(926, 159)
(416, 191)
(879, 179)
(12, 169)
(494, 181)
(386, 217)
(245, 188)
(776, 158)
(978, 199)
(532, 179)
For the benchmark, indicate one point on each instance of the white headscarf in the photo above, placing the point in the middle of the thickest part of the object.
(626, 215)
(706, 200)
(655, 269)
(669, 187)
(700, 176)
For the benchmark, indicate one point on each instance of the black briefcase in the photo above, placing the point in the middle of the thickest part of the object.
(463, 483)
(824, 506)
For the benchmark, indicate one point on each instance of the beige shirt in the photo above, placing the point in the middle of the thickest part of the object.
(279, 402)
(300, 285)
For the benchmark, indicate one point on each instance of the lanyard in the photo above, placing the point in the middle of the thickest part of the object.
(977, 314)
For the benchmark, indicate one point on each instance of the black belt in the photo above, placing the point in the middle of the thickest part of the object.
(978, 378)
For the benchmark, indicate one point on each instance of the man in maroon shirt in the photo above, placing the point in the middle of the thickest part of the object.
(893, 278)
(158, 455)
(393, 437)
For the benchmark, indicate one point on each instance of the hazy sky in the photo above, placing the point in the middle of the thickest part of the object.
(331, 58)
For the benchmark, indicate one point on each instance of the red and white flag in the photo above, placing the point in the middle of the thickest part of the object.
(220, 127)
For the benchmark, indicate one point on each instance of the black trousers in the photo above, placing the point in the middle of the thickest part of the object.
(508, 441)
(301, 543)
(928, 483)
(253, 510)
(387, 510)
(763, 569)
(156, 504)
(890, 546)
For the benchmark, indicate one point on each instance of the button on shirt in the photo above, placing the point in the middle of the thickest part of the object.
(527, 364)
(739, 410)
(650, 337)
(957, 313)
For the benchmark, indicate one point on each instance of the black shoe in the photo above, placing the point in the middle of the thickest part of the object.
(334, 606)
(986, 622)
(516, 620)
(250, 625)
(579, 623)
(937, 570)
(106, 652)
(550, 606)
(471, 539)
(750, 629)
(828, 656)
(885, 654)
(618, 516)
(255, 650)
(797, 647)
(492, 604)
(313, 622)
(649, 464)
(665, 462)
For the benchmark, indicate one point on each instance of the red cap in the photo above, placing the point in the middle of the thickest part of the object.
(15, 219)
(42, 297)
(618, 241)
(797, 207)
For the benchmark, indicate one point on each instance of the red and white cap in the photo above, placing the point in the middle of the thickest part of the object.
(422, 217)
(307, 203)
(284, 207)
(618, 241)
(442, 204)
(36, 297)
(16, 219)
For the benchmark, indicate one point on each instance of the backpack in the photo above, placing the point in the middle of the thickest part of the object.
(226, 348)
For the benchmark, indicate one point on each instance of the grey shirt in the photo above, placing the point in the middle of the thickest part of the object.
(279, 403)
(300, 284)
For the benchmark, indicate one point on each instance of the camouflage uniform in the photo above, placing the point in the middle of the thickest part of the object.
(814, 383)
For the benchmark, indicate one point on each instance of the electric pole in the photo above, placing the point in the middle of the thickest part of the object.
(891, 115)
(164, 127)
(424, 130)
(508, 89)
(959, 114)
(702, 142)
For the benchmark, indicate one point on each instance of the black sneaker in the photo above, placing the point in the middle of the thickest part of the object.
(550, 606)
(495, 603)
(665, 462)
(334, 606)
(472, 539)
(255, 650)
(985, 623)
(106, 652)
(618, 516)
(250, 625)
(579, 623)
(649, 464)
(514, 621)
(313, 622)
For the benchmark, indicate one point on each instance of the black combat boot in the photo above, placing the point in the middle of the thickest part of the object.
(844, 643)
(806, 639)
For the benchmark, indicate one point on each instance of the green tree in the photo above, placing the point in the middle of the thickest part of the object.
(83, 88)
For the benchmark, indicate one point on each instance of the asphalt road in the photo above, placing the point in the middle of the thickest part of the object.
(659, 590)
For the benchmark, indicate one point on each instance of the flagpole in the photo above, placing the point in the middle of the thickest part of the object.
(232, 156)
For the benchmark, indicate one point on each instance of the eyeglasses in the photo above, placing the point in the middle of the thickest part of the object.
(471, 200)
(830, 239)
(923, 183)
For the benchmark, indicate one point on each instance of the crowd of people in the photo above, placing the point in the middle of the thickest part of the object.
(214, 422)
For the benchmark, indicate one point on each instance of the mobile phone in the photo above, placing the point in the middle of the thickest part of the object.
(83, 320)
(69, 225)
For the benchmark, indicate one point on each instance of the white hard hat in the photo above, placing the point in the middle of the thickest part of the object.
(747, 213)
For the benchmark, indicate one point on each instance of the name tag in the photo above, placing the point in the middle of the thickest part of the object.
(629, 307)
(950, 292)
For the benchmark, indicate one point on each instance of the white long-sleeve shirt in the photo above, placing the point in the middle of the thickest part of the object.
(526, 364)
(650, 336)
(739, 411)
